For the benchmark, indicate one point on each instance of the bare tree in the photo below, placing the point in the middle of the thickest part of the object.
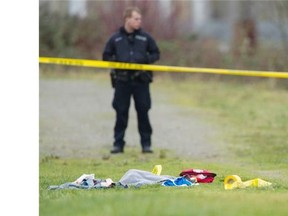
(245, 34)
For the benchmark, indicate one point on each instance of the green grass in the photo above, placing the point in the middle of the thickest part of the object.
(253, 119)
(253, 116)
(205, 199)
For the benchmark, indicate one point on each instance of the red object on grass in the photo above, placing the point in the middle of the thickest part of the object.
(202, 176)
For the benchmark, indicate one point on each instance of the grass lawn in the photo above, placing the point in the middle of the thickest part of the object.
(254, 122)
(204, 199)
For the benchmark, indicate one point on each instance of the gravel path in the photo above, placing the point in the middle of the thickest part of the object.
(76, 120)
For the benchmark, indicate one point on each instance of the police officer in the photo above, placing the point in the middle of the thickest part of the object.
(133, 45)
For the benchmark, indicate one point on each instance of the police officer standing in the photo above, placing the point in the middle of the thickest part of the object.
(133, 45)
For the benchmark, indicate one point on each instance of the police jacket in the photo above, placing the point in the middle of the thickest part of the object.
(137, 47)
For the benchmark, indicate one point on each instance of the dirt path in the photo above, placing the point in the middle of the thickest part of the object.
(76, 120)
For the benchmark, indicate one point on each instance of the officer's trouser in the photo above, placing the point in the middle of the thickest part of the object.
(121, 103)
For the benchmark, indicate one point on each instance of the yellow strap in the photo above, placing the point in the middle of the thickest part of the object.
(163, 68)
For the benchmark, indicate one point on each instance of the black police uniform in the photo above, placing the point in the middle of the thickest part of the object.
(137, 47)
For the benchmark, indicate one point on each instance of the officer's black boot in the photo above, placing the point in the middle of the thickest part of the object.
(116, 150)
(147, 149)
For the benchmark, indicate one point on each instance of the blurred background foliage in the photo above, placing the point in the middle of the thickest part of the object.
(251, 35)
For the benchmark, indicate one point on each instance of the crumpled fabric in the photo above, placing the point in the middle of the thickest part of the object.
(85, 181)
(183, 181)
(202, 176)
(132, 177)
(137, 178)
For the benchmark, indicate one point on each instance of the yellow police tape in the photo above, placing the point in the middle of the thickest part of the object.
(157, 169)
(129, 66)
(234, 181)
